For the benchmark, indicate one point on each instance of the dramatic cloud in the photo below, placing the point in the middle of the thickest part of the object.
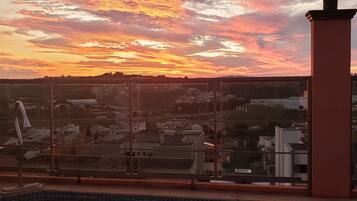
(213, 10)
(195, 38)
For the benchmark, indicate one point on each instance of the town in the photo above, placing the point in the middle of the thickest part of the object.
(255, 128)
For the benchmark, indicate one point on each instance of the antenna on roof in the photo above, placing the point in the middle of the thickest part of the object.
(330, 5)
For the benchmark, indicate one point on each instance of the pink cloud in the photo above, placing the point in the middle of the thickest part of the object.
(264, 39)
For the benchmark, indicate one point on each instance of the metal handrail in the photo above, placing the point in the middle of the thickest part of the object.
(150, 81)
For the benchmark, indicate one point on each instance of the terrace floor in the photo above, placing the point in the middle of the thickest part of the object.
(174, 192)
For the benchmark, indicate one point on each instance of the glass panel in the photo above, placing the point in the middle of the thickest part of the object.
(36, 139)
(255, 167)
(177, 120)
(256, 133)
(260, 124)
(91, 127)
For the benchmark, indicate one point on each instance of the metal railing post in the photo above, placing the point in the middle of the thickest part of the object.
(293, 164)
(220, 91)
(51, 128)
(309, 134)
(19, 166)
(131, 127)
(215, 128)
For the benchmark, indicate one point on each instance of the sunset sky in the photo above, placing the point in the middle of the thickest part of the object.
(194, 38)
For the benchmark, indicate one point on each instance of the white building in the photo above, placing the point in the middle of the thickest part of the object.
(179, 152)
(68, 129)
(121, 127)
(38, 135)
(82, 103)
(295, 103)
(290, 162)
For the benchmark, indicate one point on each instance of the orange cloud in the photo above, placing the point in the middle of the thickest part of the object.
(156, 8)
(196, 38)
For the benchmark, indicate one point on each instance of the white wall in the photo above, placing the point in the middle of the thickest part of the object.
(284, 162)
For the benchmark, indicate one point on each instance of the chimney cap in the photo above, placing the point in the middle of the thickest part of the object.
(330, 5)
(342, 14)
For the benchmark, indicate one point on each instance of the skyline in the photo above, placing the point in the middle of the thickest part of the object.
(194, 38)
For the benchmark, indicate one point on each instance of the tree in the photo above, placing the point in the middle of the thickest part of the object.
(239, 130)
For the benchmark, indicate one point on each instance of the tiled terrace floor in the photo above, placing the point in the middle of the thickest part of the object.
(175, 192)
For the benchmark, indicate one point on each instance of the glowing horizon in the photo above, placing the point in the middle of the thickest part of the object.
(194, 38)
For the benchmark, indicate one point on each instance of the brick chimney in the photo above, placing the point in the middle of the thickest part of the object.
(331, 100)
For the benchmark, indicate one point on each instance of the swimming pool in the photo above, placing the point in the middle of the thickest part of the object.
(76, 196)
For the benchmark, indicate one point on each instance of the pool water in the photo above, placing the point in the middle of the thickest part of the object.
(74, 196)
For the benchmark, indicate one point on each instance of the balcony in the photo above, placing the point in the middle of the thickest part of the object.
(293, 135)
(204, 132)
(246, 134)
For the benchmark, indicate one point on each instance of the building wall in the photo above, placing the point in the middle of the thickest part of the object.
(285, 163)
